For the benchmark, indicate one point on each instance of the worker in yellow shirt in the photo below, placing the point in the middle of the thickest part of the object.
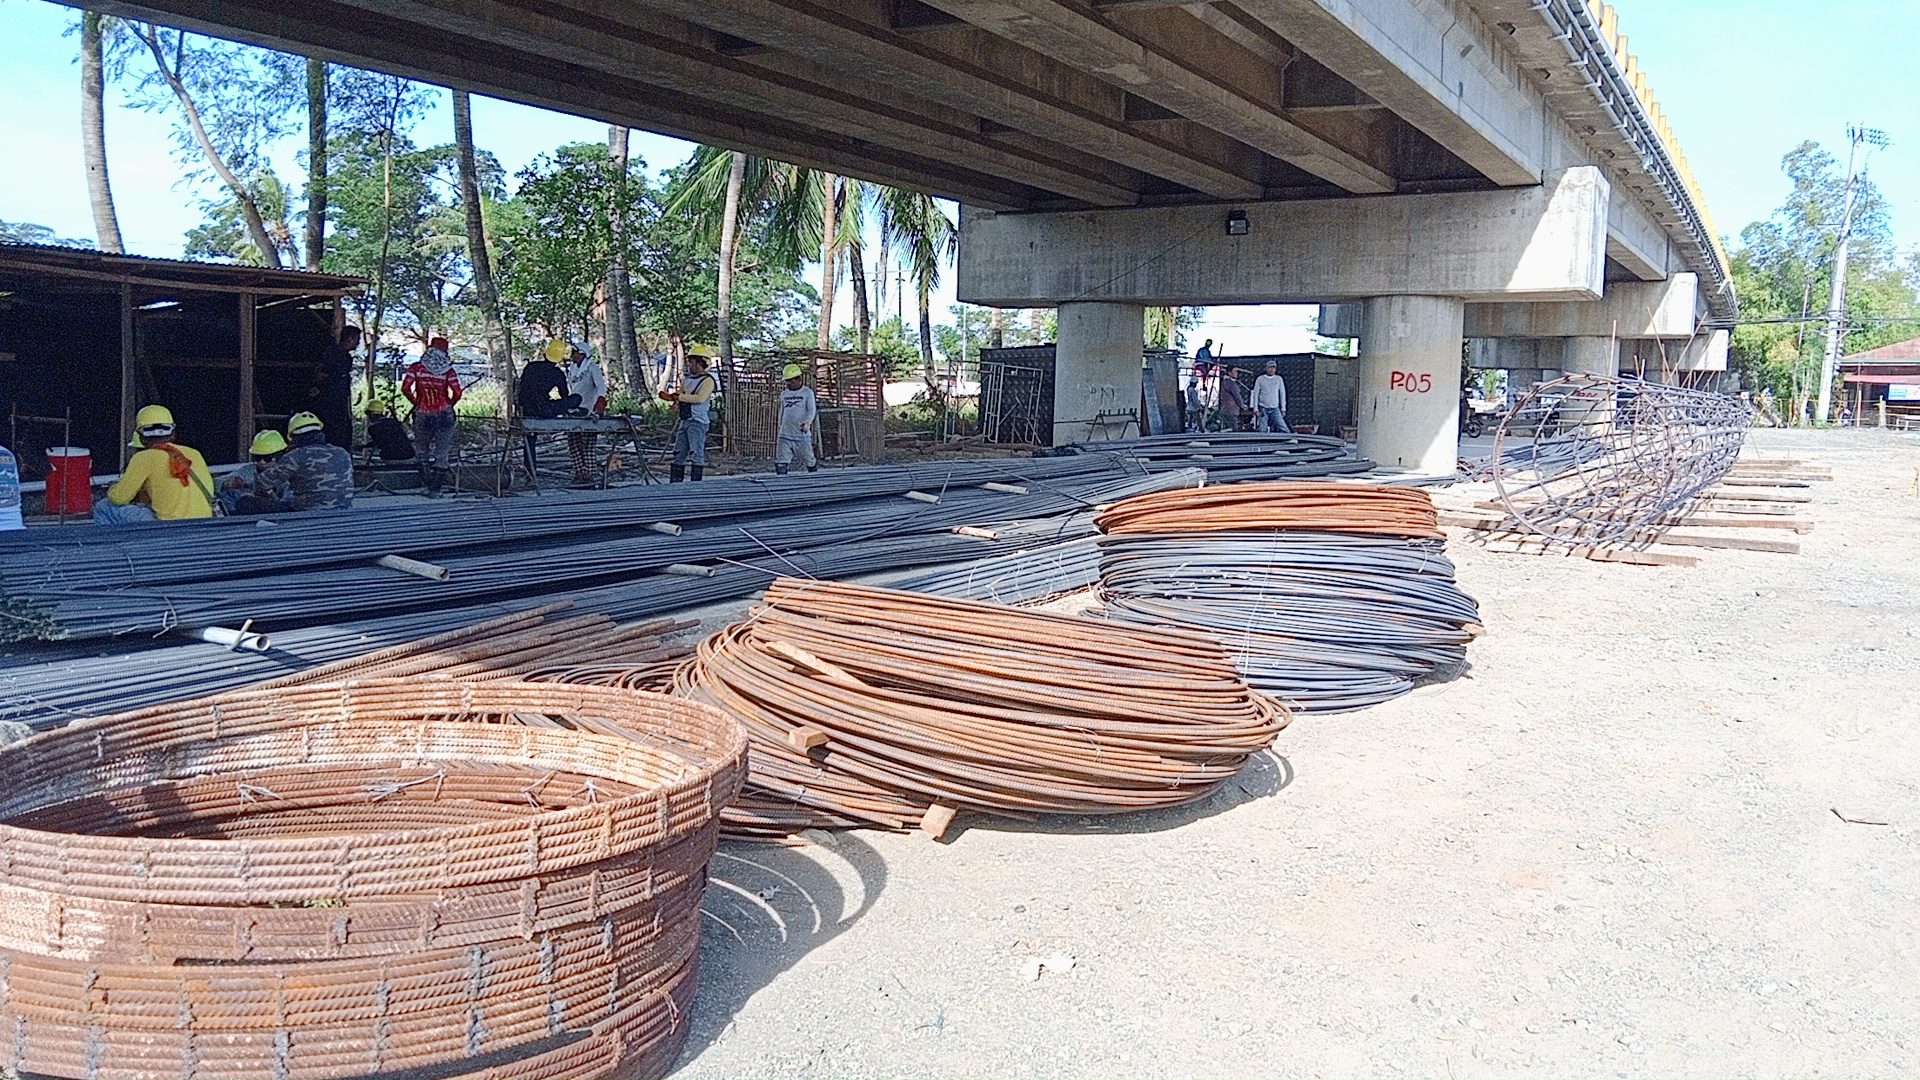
(163, 482)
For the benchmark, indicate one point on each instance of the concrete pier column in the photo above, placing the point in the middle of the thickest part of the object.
(1590, 356)
(1409, 400)
(1096, 372)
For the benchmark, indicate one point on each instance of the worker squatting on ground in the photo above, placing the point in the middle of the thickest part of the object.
(798, 411)
(9, 492)
(695, 399)
(244, 490)
(386, 436)
(1270, 400)
(587, 381)
(319, 473)
(433, 387)
(163, 482)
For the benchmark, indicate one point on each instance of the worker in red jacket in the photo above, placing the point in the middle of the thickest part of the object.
(434, 387)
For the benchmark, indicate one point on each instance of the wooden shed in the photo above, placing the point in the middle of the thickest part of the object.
(91, 337)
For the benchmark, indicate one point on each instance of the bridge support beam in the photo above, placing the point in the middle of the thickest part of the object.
(1409, 400)
(1096, 372)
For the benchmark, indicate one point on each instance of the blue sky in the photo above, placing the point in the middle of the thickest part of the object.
(1743, 81)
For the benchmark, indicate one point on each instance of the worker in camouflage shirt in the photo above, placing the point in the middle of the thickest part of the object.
(319, 473)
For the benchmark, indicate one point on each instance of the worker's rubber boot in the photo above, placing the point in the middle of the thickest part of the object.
(781, 470)
(699, 472)
(813, 468)
(676, 473)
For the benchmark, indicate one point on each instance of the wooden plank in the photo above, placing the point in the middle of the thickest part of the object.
(1762, 496)
(249, 352)
(1728, 505)
(1760, 481)
(1593, 554)
(1736, 521)
(1737, 543)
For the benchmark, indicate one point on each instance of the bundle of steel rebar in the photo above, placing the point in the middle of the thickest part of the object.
(536, 568)
(1589, 459)
(1334, 597)
(353, 879)
(1235, 456)
(869, 706)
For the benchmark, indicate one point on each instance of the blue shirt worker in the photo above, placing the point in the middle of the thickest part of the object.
(798, 411)
(694, 397)
(243, 491)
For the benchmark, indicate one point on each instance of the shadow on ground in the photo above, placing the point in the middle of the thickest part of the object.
(767, 906)
(1265, 774)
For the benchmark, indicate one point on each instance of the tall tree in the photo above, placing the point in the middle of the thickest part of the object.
(476, 229)
(926, 240)
(381, 106)
(232, 100)
(829, 255)
(729, 253)
(93, 134)
(622, 349)
(316, 162)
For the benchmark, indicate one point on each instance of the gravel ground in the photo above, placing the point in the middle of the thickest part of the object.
(1610, 848)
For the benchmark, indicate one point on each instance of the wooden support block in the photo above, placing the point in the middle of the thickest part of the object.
(1736, 543)
(937, 819)
(1481, 522)
(427, 570)
(1010, 489)
(796, 655)
(1762, 496)
(804, 739)
(1760, 481)
(975, 530)
(1643, 558)
(1737, 521)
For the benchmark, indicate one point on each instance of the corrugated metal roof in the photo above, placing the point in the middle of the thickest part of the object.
(86, 263)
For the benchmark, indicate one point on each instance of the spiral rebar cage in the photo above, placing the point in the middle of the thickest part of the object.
(1591, 460)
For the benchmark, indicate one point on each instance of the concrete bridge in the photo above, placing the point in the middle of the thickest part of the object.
(1428, 170)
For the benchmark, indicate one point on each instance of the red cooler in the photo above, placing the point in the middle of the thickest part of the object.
(69, 480)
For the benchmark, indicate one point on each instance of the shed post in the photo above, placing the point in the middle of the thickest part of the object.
(129, 381)
(249, 352)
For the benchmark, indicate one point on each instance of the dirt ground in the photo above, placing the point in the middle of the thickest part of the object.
(1609, 849)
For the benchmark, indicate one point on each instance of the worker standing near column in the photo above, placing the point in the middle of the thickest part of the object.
(163, 482)
(1270, 400)
(587, 381)
(798, 411)
(245, 490)
(319, 474)
(695, 400)
(433, 387)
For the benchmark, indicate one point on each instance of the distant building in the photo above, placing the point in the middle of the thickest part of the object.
(1890, 373)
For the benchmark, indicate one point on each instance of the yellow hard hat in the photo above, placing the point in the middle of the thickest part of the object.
(303, 421)
(701, 350)
(792, 371)
(153, 416)
(376, 407)
(267, 443)
(557, 350)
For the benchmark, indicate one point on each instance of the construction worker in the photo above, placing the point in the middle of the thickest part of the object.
(163, 482)
(694, 396)
(385, 435)
(433, 387)
(798, 411)
(243, 491)
(1270, 400)
(9, 492)
(332, 391)
(319, 473)
(586, 381)
(542, 392)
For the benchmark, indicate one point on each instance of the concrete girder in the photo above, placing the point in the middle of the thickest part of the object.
(628, 42)
(1434, 64)
(1546, 242)
(1636, 240)
(923, 65)
(1629, 309)
(326, 30)
(1705, 351)
(1079, 38)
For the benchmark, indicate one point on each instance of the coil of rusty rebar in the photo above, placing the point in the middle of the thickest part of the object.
(358, 878)
(868, 706)
(1319, 506)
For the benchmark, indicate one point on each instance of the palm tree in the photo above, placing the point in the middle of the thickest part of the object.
(93, 134)
(831, 195)
(476, 230)
(317, 162)
(926, 240)
(726, 191)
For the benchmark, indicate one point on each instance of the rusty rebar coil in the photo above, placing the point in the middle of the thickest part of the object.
(1316, 505)
(353, 879)
(867, 706)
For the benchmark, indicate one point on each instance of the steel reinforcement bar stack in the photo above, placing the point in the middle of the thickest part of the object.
(870, 707)
(341, 880)
(1331, 596)
(1237, 456)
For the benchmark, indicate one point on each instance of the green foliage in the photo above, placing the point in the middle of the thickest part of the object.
(1783, 271)
(890, 339)
(21, 232)
(558, 239)
(247, 97)
(224, 235)
(1166, 327)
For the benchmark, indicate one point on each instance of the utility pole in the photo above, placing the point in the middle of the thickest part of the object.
(1837, 297)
